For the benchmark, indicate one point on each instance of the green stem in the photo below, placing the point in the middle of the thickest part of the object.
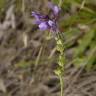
(61, 44)
(61, 84)
(59, 37)
(60, 3)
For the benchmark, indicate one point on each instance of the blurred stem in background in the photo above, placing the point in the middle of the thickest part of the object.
(60, 3)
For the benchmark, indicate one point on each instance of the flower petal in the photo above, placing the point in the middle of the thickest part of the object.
(50, 22)
(39, 16)
(53, 25)
(35, 15)
(54, 8)
(43, 26)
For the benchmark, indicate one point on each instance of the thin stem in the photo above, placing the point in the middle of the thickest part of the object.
(83, 3)
(61, 84)
(59, 37)
(60, 3)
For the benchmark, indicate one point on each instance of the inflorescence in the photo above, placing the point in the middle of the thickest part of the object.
(48, 21)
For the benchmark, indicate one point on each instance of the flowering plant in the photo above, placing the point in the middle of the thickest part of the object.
(49, 22)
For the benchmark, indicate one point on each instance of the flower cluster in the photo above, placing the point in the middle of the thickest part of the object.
(49, 21)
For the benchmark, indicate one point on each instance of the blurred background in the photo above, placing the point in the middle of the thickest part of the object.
(28, 56)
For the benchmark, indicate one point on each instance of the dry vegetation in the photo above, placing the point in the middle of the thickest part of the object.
(28, 58)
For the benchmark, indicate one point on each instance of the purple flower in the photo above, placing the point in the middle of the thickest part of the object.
(45, 22)
(43, 26)
(39, 17)
(53, 25)
(54, 8)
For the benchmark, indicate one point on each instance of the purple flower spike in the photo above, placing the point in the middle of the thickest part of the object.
(45, 22)
(43, 26)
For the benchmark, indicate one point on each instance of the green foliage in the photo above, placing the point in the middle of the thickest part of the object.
(84, 53)
(2, 4)
(82, 41)
(23, 64)
(55, 1)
